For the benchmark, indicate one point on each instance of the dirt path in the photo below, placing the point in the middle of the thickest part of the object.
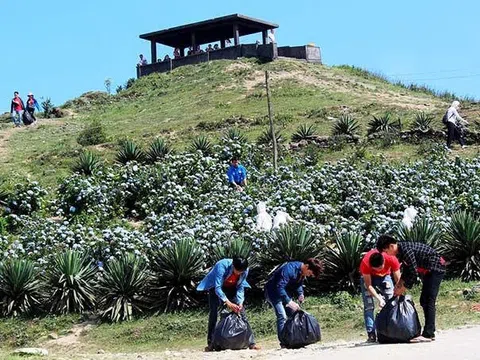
(460, 344)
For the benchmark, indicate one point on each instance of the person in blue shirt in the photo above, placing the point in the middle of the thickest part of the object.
(226, 283)
(237, 175)
(286, 282)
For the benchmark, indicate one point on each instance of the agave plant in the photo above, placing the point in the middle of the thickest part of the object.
(234, 248)
(235, 135)
(87, 163)
(346, 125)
(267, 138)
(177, 268)
(342, 260)
(71, 279)
(423, 230)
(290, 243)
(20, 287)
(157, 151)
(462, 246)
(122, 288)
(130, 151)
(201, 143)
(383, 124)
(422, 122)
(304, 132)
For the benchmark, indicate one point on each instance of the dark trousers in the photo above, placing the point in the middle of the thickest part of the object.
(31, 112)
(428, 298)
(214, 303)
(454, 134)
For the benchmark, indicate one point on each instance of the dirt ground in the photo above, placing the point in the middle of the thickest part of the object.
(460, 344)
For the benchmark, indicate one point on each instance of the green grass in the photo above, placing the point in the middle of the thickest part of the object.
(207, 99)
(340, 316)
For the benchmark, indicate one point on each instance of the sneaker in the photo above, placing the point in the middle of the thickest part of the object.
(255, 347)
(464, 146)
(420, 339)
(372, 337)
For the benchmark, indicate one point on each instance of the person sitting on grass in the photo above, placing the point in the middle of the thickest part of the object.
(237, 175)
(286, 282)
(226, 283)
(376, 283)
(417, 259)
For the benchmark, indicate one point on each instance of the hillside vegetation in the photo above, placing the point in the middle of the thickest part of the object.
(210, 98)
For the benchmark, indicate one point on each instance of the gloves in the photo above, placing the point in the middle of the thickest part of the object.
(293, 305)
(301, 299)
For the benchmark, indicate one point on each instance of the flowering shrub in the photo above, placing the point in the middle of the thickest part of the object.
(26, 198)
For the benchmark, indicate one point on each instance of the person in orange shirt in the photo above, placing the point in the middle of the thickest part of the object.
(376, 283)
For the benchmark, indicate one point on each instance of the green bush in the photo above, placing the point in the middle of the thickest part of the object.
(93, 134)
(157, 151)
(346, 125)
(201, 143)
(87, 163)
(423, 230)
(304, 132)
(129, 151)
(384, 125)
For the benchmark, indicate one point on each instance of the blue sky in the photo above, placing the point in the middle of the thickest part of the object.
(60, 49)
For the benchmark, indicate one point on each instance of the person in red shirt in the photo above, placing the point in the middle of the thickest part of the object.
(376, 283)
(16, 109)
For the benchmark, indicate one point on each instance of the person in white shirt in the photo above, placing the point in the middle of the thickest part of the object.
(453, 120)
(142, 61)
(271, 36)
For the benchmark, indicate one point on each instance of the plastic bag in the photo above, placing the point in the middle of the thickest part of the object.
(281, 218)
(398, 321)
(232, 333)
(27, 118)
(264, 220)
(301, 329)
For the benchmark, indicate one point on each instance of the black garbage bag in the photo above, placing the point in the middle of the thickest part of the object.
(301, 329)
(27, 118)
(398, 321)
(232, 332)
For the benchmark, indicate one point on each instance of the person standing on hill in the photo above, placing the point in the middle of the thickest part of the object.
(418, 259)
(376, 283)
(286, 282)
(452, 119)
(32, 104)
(237, 175)
(226, 284)
(17, 108)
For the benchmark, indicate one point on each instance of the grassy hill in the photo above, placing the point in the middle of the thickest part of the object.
(212, 97)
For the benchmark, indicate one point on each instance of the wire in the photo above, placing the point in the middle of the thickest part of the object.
(447, 78)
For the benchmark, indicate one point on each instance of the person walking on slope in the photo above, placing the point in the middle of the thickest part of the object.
(17, 108)
(226, 284)
(287, 281)
(453, 119)
(376, 283)
(417, 259)
(32, 104)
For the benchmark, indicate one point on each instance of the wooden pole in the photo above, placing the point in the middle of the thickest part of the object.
(272, 128)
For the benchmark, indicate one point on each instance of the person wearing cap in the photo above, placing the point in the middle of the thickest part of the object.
(32, 104)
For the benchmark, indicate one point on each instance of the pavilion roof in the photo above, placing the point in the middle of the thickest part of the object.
(208, 31)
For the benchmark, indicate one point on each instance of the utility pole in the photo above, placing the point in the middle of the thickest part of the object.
(272, 129)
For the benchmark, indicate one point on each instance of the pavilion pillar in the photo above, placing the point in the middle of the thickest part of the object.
(265, 37)
(222, 43)
(182, 51)
(236, 35)
(194, 42)
(153, 46)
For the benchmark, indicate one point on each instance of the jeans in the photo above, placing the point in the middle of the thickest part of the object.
(214, 303)
(282, 313)
(428, 298)
(454, 134)
(384, 286)
(17, 117)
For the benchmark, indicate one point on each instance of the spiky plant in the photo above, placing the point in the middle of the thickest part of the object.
(342, 260)
(422, 122)
(177, 268)
(346, 125)
(129, 151)
(461, 246)
(235, 135)
(87, 163)
(71, 278)
(157, 151)
(267, 138)
(122, 288)
(384, 124)
(290, 243)
(304, 132)
(20, 287)
(423, 230)
(234, 248)
(201, 143)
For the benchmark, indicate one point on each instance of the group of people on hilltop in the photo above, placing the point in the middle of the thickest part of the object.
(227, 280)
(23, 113)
